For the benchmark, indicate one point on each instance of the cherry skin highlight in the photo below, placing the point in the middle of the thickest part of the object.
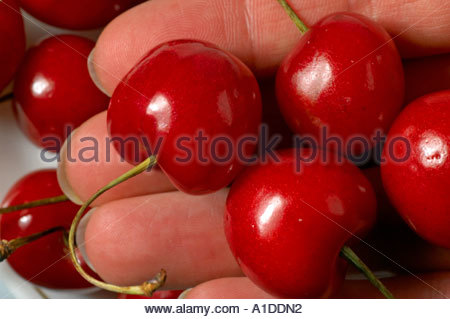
(177, 91)
(77, 14)
(44, 262)
(344, 74)
(12, 39)
(53, 90)
(416, 174)
(283, 227)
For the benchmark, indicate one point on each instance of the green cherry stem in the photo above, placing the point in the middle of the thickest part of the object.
(36, 203)
(294, 17)
(148, 287)
(351, 257)
(7, 247)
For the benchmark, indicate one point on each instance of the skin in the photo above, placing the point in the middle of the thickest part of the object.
(259, 45)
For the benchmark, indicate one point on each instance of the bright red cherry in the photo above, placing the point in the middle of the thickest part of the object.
(346, 74)
(177, 91)
(12, 40)
(160, 294)
(286, 229)
(77, 14)
(416, 174)
(44, 262)
(53, 89)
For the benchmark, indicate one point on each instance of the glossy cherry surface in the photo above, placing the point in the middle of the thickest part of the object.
(12, 40)
(417, 177)
(45, 262)
(346, 74)
(53, 89)
(286, 229)
(77, 14)
(160, 294)
(177, 90)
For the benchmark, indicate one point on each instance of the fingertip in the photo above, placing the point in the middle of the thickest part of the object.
(61, 173)
(91, 64)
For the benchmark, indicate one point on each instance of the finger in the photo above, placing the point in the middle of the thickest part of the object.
(432, 285)
(426, 75)
(228, 288)
(88, 162)
(128, 241)
(257, 31)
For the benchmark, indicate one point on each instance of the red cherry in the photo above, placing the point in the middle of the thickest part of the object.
(12, 39)
(77, 14)
(53, 89)
(272, 117)
(161, 294)
(44, 262)
(386, 213)
(345, 73)
(418, 186)
(286, 229)
(178, 89)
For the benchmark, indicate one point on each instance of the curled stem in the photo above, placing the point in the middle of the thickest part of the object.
(148, 287)
(294, 17)
(36, 203)
(7, 247)
(350, 256)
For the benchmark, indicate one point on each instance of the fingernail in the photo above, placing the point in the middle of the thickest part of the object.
(62, 176)
(93, 74)
(184, 294)
(80, 237)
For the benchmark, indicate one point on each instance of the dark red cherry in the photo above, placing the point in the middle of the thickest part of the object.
(386, 213)
(53, 89)
(77, 14)
(161, 294)
(272, 117)
(44, 262)
(12, 40)
(346, 74)
(177, 91)
(286, 229)
(416, 174)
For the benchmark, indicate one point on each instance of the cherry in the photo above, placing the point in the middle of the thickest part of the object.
(53, 90)
(77, 14)
(286, 229)
(44, 262)
(12, 40)
(416, 174)
(345, 74)
(386, 213)
(272, 117)
(163, 294)
(177, 91)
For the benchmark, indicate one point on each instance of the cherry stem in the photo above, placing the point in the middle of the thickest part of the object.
(350, 256)
(148, 287)
(8, 247)
(294, 17)
(6, 97)
(37, 203)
